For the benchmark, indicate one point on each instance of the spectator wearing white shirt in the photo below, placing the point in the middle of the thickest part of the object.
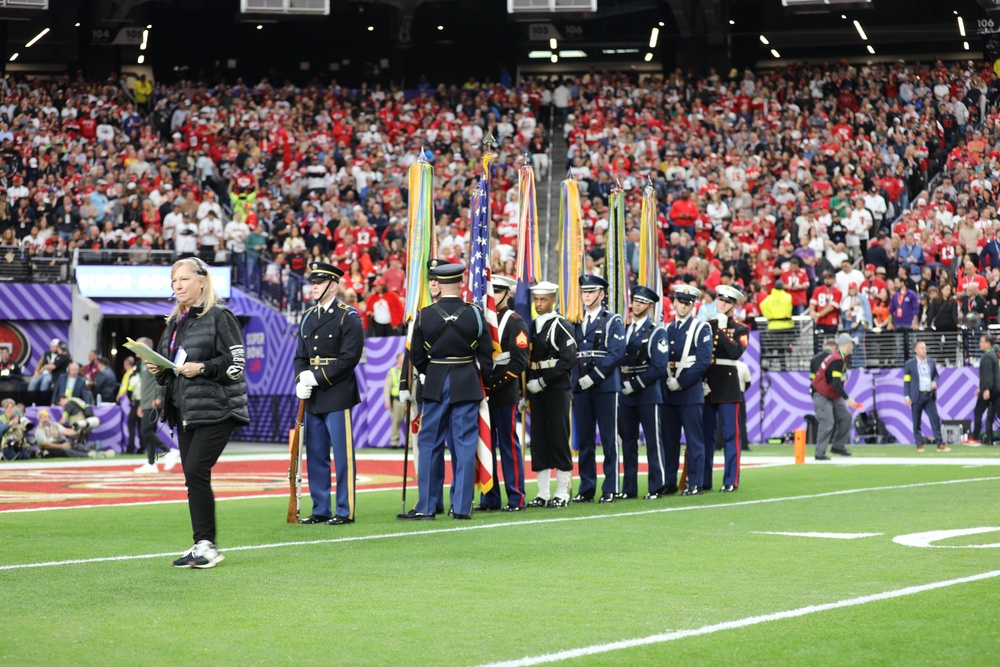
(858, 225)
(211, 232)
(186, 242)
(847, 275)
(236, 233)
(172, 221)
(209, 205)
(876, 204)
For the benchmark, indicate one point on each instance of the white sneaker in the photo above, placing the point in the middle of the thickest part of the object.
(205, 555)
(147, 468)
(172, 458)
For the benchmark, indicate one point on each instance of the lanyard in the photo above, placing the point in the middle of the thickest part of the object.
(173, 336)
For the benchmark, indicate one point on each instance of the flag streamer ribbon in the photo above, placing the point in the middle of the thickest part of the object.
(571, 251)
(615, 263)
(420, 239)
(649, 250)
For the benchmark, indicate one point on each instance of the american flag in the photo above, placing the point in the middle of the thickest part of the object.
(481, 292)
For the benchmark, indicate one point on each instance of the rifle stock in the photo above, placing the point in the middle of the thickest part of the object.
(295, 465)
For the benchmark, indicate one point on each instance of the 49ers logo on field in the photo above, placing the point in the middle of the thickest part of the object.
(14, 340)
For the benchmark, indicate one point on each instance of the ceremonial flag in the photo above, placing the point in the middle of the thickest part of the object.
(481, 293)
(615, 263)
(649, 250)
(571, 252)
(529, 268)
(420, 239)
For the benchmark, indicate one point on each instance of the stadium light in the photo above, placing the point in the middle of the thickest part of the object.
(660, 24)
(573, 53)
(843, 16)
(653, 36)
(14, 57)
(649, 57)
(141, 59)
(732, 22)
(149, 26)
(553, 44)
(763, 40)
(76, 25)
(145, 37)
(961, 26)
(36, 38)
(260, 27)
(539, 54)
(871, 49)
(554, 58)
(440, 27)
(964, 44)
(774, 52)
(861, 31)
(371, 28)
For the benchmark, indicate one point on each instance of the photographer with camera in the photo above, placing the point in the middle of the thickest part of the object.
(80, 418)
(13, 429)
(53, 439)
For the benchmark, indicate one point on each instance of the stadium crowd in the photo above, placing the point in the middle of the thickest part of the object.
(816, 180)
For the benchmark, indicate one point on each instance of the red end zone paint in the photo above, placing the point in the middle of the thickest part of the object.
(44, 487)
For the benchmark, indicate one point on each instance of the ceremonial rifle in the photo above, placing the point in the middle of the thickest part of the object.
(295, 438)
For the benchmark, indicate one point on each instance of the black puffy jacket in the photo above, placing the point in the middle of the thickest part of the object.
(216, 340)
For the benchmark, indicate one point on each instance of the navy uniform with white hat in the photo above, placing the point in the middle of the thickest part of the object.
(331, 340)
(642, 371)
(550, 370)
(504, 391)
(725, 391)
(452, 348)
(600, 340)
(690, 345)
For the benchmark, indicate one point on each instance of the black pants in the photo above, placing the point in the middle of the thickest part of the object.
(149, 441)
(991, 407)
(201, 447)
(133, 427)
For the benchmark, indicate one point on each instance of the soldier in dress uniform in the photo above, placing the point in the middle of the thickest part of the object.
(643, 368)
(600, 341)
(331, 340)
(689, 342)
(550, 369)
(725, 391)
(451, 347)
(504, 391)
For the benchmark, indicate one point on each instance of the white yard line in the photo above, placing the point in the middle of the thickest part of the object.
(517, 523)
(739, 623)
(829, 536)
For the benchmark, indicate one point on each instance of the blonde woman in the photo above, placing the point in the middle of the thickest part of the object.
(206, 398)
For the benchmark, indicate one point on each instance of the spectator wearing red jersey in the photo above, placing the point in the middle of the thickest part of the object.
(872, 283)
(345, 252)
(824, 307)
(683, 213)
(796, 281)
(385, 311)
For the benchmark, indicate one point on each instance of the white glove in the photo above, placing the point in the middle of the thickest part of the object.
(308, 379)
(404, 396)
(422, 378)
(535, 386)
(723, 321)
(627, 388)
(501, 359)
(303, 390)
(673, 384)
(586, 382)
(522, 405)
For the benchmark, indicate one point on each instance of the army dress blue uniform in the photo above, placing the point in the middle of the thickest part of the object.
(600, 340)
(452, 348)
(642, 371)
(330, 344)
(504, 391)
(682, 407)
(729, 341)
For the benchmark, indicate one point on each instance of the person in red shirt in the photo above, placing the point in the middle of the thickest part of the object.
(824, 307)
(345, 252)
(872, 284)
(385, 310)
(682, 214)
(796, 281)
(945, 250)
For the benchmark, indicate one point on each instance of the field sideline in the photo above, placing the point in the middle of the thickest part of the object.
(817, 564)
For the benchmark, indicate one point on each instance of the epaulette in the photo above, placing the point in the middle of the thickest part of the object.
(341, 304)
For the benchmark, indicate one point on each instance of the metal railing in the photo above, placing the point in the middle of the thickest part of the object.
(19, 265)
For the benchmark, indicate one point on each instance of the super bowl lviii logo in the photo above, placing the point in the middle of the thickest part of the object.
(14, 341)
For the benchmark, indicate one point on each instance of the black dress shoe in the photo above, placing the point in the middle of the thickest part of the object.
(728, 488)
(580, 498)
(668, 490)
(451, 511)
(626, 496)
(484, 508)
(841, 452)
(461, 517)
(607, 498)
(822, 457)
(537, 502)
(339, 521)
(692, 491)
(653, 495)
(706, 488)
(512, 508)
(415, 516)
(558, 502)
(315, 518)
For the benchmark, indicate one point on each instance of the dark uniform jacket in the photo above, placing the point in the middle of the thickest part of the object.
(553, 352)
(330, 344)
(600, 350)
(80, 389)
(688, 370)
(645, 363)
(216, 340)
(504, 385)
(989, 373)
(723, 376)
(449, 337)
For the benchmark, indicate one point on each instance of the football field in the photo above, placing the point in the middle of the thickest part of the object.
(886, 558)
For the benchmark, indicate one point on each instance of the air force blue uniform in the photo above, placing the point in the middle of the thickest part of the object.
(642, 371)
(600, 349)
(683, 408)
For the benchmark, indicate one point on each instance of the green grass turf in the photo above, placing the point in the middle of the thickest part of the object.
(475, 596)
